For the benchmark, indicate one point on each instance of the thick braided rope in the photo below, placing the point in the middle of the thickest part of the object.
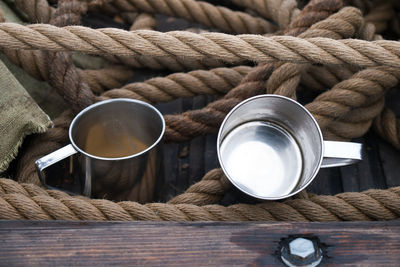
(209, 190)
(101, 80)
(320, 78)
(368, 114)
(201, 12)
(286, 77)
(344, 105)
(184, 126)
(356, 102)
(315, 10)
(34, 62)
(282, 4)
(280, 11)
(30, 202)
(145, 21)
(176, 85)
(69, 12)
(359, 123)
(169, 63)
(65, 77)
(62, 71)
(148, 22)
(38, 11)
(229, 48)
(366, 105)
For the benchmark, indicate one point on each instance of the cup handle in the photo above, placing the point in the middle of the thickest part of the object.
(52, 158)
(338, 154)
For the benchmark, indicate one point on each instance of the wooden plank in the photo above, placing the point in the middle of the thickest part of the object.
(56, 243)
(350, 178)
(210, 154)
(196, 148)
(327, 182)
(170, 155)
(371, 173)
(390, 160)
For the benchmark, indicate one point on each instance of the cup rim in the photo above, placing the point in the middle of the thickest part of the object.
(317, 166)
(82, 112)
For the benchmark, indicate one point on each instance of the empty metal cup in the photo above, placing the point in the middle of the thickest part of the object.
(271, 147)
(118, 149)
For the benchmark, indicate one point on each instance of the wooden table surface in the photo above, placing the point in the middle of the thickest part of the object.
(58, 243)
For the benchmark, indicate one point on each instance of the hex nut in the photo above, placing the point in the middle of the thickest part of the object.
(301, 252)
(301, 247)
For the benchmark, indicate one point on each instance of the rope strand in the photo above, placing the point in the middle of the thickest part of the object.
(201, 12)
(198, 82)
(200, 46)
(17, 203)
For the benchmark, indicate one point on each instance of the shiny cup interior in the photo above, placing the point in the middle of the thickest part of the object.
(133, 118)
(283, 145)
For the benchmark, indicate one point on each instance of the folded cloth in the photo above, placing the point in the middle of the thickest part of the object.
(47, 98)
(19, 116)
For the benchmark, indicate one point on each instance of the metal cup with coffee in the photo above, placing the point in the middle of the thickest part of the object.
(271, 147)
(117, 143)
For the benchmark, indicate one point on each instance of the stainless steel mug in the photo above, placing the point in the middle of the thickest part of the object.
(118, 149)
(271, 147)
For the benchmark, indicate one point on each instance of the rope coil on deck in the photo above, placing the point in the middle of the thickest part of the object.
(27, 201)
(319, 37)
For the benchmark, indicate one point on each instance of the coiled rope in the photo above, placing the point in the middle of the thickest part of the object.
(323, 32)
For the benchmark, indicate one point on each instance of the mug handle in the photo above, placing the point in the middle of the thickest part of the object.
(52, 158)
(338, 153)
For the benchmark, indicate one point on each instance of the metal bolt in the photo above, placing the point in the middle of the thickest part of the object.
(301, 247)
(301, 252)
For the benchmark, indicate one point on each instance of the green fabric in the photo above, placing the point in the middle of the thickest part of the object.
(47, 98)
(85, 61)
(9, 15)
(19, 116)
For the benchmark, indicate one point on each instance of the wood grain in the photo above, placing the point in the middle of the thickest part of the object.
(195, 244)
